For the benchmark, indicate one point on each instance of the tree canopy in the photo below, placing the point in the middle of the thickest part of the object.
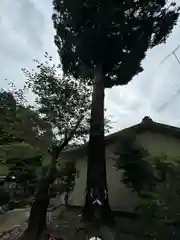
(111, 35)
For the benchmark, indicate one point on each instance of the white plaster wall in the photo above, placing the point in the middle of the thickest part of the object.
(157, 143)
(77, 197)
(120, 197)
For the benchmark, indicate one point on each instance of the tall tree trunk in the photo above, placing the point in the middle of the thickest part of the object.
(96, 195)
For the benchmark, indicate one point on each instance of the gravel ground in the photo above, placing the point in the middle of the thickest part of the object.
(64, 223)
(16, 217)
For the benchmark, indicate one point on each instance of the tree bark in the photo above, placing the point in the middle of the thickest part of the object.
(96, 186)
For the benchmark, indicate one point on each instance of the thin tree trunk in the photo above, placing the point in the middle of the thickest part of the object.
(96, 170)
(37, 219)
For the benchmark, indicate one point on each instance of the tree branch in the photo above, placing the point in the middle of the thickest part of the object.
(67, 139)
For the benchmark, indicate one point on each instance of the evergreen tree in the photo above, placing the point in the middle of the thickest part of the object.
(22, 123)
(105, 42)
(25, 171)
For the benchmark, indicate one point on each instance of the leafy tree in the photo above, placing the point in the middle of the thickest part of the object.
(24, 135)
(21, 123)
(7, 117)
(61, 100)
(106, 41)
(23, 162)
(61, 116)
(34, 130)
(26, 172)
(156, 179)
(15, 151)
(37, 219)
(61, 104)
(23, 132)
(161, 212)
(138, 172)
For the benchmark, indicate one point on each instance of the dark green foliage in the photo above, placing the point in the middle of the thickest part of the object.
(15, 151)
(24, 165)
(161, 212)
(20, 123)
(8, 118)
(25, 170)
(138, 173)
(23, 136)
(4, 196)
(112, 35)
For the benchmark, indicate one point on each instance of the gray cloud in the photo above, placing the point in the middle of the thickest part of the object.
(22, 27)
(147, 92)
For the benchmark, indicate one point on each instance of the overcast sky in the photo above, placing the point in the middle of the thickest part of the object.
(26, 32)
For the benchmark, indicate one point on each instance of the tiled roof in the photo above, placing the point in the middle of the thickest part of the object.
(147, 124)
